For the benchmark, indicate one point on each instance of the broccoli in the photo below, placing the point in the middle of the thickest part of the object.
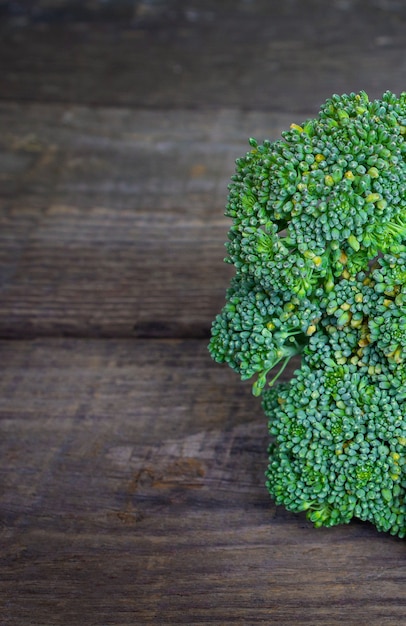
(318, 242)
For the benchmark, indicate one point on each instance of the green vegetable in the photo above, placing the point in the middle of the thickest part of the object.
(318, 241)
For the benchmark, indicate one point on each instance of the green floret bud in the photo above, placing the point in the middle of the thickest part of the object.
(346, 456)
(318, 242)
(251, 337)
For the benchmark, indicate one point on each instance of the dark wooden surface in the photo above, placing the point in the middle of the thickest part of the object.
(132, 467)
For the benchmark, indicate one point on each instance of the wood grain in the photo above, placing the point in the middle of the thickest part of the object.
(112, 221)
(251, 55)
(132, 466)
(134, 494)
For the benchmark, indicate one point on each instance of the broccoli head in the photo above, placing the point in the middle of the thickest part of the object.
(318, 242)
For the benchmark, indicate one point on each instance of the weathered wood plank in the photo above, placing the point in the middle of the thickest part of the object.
(132, 470)
(255, 55)
(112, 220)
(133, 493)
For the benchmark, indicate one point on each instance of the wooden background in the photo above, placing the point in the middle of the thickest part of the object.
(132, 466)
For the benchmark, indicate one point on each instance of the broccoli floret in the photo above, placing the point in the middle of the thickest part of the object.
(318, 242)
(332, 192)
(338, 449)
(257, 330)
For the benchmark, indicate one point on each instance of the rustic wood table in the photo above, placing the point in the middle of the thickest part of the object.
(132, 466)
